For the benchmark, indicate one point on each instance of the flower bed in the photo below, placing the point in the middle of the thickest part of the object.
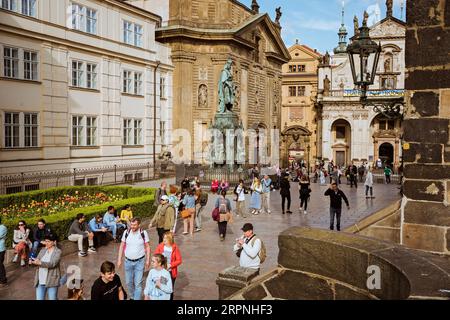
(59, 206)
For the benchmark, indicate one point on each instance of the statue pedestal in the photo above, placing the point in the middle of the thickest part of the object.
(227, 148)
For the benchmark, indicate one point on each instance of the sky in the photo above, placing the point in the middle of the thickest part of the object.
(315, 23)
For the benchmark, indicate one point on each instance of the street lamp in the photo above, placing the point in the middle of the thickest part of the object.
(364, 55)
(309, 149)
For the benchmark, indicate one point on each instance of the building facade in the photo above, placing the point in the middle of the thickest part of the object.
(298, 116)
(349, 131)
(202, 36)
(78, 86)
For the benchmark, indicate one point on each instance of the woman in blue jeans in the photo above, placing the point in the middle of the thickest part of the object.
(48, 275)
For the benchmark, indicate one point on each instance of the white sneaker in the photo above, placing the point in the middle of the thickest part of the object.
(82, 254)
(16, 258)
(22, 262)
(269, 212)
(92, 250)
(304, 212)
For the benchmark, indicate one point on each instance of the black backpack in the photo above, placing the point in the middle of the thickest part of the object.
(128, 232)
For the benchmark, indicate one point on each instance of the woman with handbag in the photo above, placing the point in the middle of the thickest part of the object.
(48, 275)
(255, 200)
(21, 243)
(224, 207)
(188, 214)
(305, 193)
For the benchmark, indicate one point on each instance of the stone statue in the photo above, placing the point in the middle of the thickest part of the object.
(203, 96)
(366, 17)
(356, 25)
(326, 59)
(326, 86)
(387, 65)
(226, 88)
(278, 13)
(389, 5)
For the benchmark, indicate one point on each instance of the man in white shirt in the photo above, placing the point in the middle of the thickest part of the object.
(249, 248)
(240, 199)
(135, 245)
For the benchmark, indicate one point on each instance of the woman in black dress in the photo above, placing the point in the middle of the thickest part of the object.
(305, 192)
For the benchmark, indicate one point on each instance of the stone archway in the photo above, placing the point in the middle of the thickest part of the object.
(341, 142)
(295, 142)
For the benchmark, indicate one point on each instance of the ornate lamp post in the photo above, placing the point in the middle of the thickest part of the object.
(364, 55)
(309, 150)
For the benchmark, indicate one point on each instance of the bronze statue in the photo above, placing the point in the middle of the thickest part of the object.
(356, 25)
(279, 13)
(226, 88)
(389, 6)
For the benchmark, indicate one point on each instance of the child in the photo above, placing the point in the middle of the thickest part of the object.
(159, 281)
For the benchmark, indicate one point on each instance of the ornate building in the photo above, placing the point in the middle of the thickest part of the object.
(350, 132)
(203, 34)
(78, 89)
(298, 115)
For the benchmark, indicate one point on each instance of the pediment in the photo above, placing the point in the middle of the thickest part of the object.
(388, 28)
(265, 28)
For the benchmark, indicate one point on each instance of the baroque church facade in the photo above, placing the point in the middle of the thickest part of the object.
(350, 132)
(203, 35)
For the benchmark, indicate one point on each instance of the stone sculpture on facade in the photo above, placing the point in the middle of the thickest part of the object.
(326, 86)
(278, 15)
(356, 25)
(203, 96)
(326, 59)
(389, 6)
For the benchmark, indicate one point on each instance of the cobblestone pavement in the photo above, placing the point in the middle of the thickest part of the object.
(204, 256)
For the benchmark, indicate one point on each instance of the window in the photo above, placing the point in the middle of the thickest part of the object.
(386, 124)
(91, 76)
(162, 130)
(137, 132)
(292, 91)
(301, 91)
(32, 187)
(391, 124)
(9, 5)
(91, 21)
(91, 131)
(84, 19)
(79, 182)
(132, 33)
(12, 128)
(162, 87)
(92, 181)
(11, 62)
(301, 68)
(128, 177)
(15, 189)
(30, 65)
(127, 131)
(137, 83)
(132, 132)
(340, 132)
(84, 131)
(84, 75)
(77, 130)
(25, 7)
(77, 74)
(132, 82)
(29, 8)
(31, 129)
(21, 130)
(138, 176)
(388, 82)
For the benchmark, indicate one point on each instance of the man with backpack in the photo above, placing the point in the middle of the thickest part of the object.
(250, 249)
(163, 218)
(136, 248)
(200, 203)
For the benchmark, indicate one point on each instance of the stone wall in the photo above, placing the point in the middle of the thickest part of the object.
(426, 211)
(325, 265)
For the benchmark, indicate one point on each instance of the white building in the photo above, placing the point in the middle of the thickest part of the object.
(350, 132)
(77, 86)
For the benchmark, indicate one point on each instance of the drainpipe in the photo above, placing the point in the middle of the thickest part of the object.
(158, 63)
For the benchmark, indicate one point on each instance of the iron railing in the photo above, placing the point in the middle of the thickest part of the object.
(105, 175)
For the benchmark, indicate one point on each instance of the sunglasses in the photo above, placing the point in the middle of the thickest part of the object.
(21, 224)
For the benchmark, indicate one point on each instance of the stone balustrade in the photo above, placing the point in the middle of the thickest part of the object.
(325, 265)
